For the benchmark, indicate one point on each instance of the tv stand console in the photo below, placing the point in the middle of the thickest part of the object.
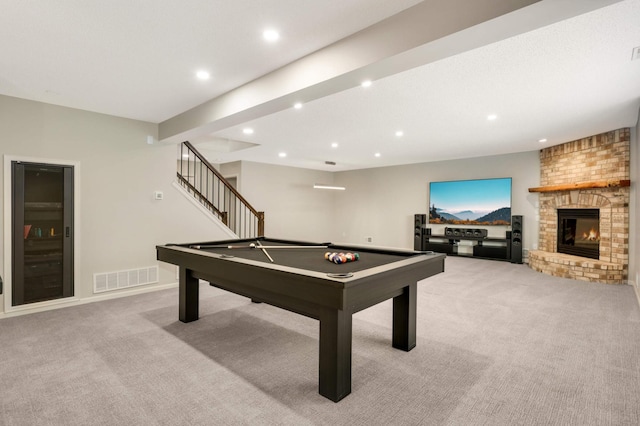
(468, 242)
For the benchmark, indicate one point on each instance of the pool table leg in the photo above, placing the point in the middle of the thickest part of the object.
(335, 354)
(188, 300)
(404, 318)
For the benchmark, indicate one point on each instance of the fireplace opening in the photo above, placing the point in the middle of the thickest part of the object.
(579, 232)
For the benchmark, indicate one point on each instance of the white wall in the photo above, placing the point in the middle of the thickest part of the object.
(230, 169)
(293, 209)
(119, 223)
(381, 202)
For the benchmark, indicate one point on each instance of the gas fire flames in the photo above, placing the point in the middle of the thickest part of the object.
(593, 235)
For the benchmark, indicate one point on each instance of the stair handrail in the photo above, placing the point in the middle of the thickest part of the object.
(209, 204)
(259, 215)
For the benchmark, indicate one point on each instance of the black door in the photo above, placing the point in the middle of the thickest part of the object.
(42, 203)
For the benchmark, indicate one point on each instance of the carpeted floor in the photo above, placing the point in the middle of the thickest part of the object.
(498, 344)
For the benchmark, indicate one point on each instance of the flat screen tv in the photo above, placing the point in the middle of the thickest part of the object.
(480, 202)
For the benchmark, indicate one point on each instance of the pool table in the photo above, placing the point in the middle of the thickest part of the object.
(295, 276)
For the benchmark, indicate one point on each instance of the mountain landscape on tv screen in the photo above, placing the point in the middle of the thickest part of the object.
(501, 216)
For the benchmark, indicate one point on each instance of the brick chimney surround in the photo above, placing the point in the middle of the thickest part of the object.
(599, 158)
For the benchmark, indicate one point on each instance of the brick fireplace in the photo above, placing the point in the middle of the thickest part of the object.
(586, 174)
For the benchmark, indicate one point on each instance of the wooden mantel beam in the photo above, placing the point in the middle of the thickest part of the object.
(583, 185)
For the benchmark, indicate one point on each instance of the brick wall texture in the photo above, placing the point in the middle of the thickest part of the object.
(603, 157)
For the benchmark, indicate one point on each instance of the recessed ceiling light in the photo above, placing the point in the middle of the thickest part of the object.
(247, 131)
(377, 154)
(399, 133)
(334, 145)
(282, 154)
(366, 83)
(203, 75)
(543, 140)
(297, 105)
(271, 35)
(491, 117)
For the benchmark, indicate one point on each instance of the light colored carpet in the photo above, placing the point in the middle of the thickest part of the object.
(498, 344)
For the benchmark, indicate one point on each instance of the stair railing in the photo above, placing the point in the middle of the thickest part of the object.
(216, 194)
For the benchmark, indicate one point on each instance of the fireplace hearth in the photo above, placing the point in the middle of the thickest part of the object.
(579, 232)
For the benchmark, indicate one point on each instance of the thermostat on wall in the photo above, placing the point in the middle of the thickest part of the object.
(158, 195)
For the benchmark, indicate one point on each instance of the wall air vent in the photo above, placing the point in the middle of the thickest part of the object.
(107, 281)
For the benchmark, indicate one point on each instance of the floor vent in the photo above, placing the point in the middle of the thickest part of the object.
(107, 281)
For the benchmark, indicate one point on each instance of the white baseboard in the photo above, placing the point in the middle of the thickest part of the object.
(73, 301)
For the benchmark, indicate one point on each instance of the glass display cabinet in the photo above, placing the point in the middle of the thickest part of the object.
(42, 203)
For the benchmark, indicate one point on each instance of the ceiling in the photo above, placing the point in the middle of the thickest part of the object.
(561, 78)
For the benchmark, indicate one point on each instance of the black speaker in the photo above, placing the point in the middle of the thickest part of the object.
(418, 232)
(516, 239)
(426, 234)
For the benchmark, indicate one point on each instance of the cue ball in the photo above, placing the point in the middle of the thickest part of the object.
(252, 245)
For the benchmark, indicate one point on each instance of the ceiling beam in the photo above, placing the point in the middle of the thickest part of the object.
(427, 32)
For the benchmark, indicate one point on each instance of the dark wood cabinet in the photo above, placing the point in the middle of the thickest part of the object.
(42, 215)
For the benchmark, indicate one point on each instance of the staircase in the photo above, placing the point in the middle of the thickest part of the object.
(214, 192)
